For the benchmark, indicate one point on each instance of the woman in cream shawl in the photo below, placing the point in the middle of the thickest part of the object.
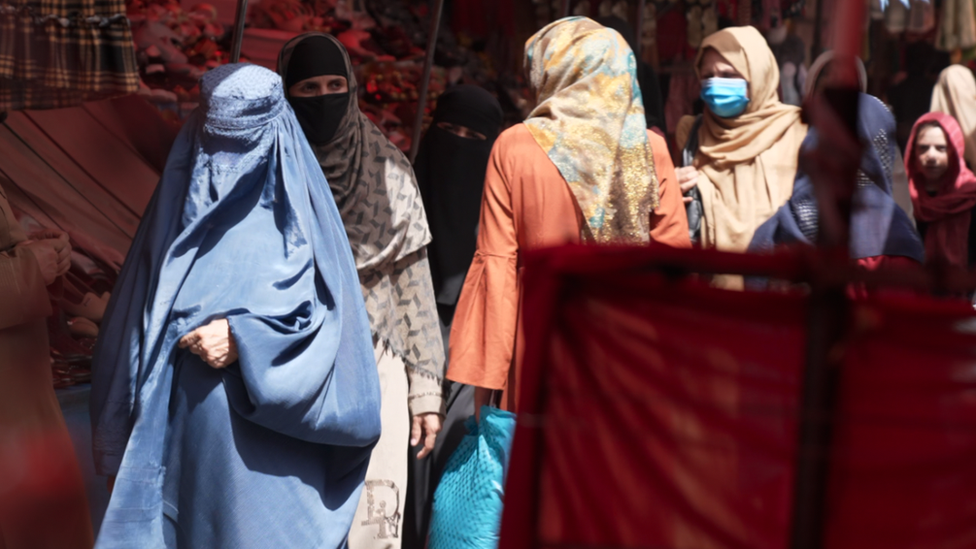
(955, 95)
(745, 164)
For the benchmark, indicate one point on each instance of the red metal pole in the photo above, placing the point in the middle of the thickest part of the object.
(829, 313)
(848, 41)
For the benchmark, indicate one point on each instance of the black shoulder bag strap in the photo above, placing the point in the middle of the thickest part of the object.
(693, 208)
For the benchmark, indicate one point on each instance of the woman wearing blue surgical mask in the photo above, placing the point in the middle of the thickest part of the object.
(748, 140)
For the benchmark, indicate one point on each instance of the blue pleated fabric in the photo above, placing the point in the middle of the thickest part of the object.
(271, 451)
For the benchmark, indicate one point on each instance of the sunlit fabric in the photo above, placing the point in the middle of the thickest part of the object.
(271, 451)
(884, 3)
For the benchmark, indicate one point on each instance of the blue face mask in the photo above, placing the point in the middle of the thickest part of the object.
(725, 97)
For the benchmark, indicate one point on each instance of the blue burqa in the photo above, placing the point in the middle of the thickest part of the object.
(271, 451)
(879, 227)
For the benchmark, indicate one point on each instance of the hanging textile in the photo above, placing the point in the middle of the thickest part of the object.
(659, 412)
(56, 54)
(702, 21)
(921, 17)
(957, 27)
(915, 16)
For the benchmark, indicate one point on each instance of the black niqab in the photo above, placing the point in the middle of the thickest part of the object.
(451, 175)
(321, 115)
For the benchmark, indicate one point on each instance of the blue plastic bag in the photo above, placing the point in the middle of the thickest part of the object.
(467, 509)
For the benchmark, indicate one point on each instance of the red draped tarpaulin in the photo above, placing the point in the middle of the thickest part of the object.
(658, 412)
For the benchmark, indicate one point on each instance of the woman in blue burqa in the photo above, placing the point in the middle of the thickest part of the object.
(235, 398)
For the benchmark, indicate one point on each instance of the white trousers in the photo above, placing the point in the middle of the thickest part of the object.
(379, 517)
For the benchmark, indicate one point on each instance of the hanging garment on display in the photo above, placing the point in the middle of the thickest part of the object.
(672, 36)
(648, 33)
(684, 89)
(694, 18)
(772, 13)
(702, 21)
(957, 28)
(917, 16)
(896, 17)
(921, 17)
(59, 54)
(904, 3)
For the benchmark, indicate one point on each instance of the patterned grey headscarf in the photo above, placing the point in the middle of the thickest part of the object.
(374, 187)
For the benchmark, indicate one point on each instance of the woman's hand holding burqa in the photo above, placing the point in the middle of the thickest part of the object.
(213, 343)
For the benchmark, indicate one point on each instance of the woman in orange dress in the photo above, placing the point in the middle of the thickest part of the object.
(581, 168)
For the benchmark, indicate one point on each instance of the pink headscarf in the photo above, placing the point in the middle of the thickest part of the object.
(948, 212)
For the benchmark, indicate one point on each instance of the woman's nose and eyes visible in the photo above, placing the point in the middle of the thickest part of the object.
(461, 131)
(713, 65)
(319, 85)
(932, 152)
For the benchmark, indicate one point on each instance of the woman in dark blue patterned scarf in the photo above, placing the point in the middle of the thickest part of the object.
(880, 230)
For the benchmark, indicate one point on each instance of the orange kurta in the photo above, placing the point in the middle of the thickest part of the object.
(527, 204)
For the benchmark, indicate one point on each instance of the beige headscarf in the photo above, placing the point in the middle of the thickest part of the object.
(747, 164)
(590, 122)
(955, 95)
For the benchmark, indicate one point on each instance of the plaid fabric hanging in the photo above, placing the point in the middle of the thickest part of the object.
(58, 53)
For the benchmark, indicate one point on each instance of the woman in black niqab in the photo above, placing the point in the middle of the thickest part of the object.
(450, 168)
(450, 171)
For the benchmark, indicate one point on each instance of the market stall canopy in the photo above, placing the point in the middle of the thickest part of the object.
(61, 53)
(85, 170)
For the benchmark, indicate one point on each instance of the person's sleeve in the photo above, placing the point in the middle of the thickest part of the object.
(669, 222)
(483, 333)
(23, 296)
(426, 394)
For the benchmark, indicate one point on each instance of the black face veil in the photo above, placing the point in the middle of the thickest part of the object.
(321, 115)
(451, 175)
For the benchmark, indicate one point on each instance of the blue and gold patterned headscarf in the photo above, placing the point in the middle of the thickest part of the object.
(590, 121)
